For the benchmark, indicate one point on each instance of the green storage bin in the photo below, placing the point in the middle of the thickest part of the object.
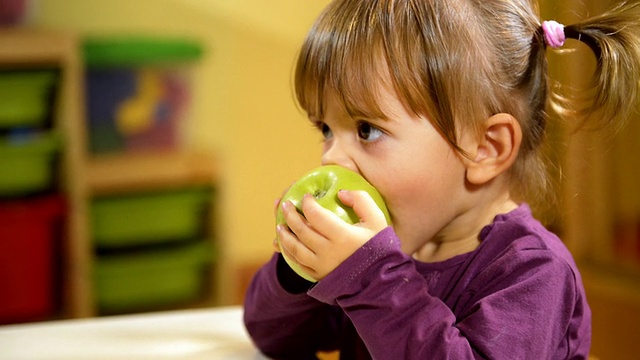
(27, 165)
(25, 97)
(152, 279)
(132, 220)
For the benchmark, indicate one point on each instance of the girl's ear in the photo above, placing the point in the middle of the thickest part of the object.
(496, 150)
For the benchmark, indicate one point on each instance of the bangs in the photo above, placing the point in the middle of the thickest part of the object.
(345, 59)
(416, 50)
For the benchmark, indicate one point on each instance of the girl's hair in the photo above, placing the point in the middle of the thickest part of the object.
(458, 62)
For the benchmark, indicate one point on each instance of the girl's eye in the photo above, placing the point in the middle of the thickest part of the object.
(325, 130)
(368, 132)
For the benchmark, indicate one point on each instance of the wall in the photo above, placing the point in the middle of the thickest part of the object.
(243, 108)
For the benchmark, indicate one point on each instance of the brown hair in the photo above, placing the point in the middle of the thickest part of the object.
(457, 62)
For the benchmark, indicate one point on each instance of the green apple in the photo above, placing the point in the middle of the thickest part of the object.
(324, 183)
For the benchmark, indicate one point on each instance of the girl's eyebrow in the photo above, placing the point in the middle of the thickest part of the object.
(316, 123)
(314, 120)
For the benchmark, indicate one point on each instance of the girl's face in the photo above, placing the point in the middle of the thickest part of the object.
(420, 176)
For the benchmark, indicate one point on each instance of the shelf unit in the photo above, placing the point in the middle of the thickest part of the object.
(84, 175)
(29, 49)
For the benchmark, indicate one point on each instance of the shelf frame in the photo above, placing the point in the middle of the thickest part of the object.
(24, 49)
(148, 171)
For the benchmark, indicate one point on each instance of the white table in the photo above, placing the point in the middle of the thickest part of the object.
(216, 333)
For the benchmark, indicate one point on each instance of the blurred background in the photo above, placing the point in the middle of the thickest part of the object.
(143, 143)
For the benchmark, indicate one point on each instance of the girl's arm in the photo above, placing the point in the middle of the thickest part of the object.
(522, 311)
(288, 324)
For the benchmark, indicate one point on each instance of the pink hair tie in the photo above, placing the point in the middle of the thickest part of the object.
(553, 33)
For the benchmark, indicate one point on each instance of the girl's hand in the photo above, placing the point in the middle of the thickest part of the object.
(320, 241)
(276, 204)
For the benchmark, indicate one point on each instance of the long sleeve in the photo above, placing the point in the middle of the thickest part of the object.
(287, 325)
(518, 296)
(390, 306)
(519, 306)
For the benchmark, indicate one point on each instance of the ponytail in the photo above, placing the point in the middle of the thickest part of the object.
(614, 38)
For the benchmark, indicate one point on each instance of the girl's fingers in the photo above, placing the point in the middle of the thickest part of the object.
(295, 250)
(302, 229)
(365, 208)
(326, 223)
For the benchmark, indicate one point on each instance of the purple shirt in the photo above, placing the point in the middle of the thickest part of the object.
(519, 295)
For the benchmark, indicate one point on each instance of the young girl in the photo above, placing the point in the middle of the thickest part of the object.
(440, 104)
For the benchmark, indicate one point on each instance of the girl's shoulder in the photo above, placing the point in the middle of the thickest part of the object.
(517, 242)
(518, 231)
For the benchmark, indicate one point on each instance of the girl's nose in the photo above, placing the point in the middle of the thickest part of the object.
(337, 155)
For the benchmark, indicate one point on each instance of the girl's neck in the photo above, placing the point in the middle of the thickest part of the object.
(447, 246)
